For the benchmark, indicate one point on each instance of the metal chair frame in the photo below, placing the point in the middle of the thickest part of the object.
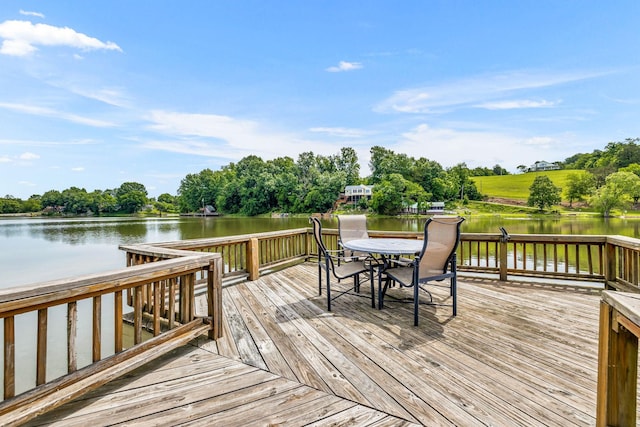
(348, 267)
(448, 270)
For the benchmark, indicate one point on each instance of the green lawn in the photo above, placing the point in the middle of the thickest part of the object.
(517, 186)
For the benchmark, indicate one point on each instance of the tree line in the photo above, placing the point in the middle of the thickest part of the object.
(605, 179)
(313, 183)
(130, 197)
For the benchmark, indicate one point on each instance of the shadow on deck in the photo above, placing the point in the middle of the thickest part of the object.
(516, 354)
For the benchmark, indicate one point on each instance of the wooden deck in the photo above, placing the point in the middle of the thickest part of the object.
(516, 355)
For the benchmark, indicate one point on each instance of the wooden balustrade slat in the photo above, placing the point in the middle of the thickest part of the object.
(172, 302)
(158, 296)
(72, 332)
(97, 329)
(117, 320)
(41, 347)
(137, 315)
(9, 357)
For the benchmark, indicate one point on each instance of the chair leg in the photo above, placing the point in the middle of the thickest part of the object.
(328, 290)
(416, 303)
(319, 276)
(454, 294)
(382, 290)
(373, 294)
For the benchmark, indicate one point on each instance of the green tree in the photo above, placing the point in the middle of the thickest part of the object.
(460, 185)
(579, 185)
(347, 162)
(543, 193)
(499, 170)
(166, 203)
(229, 199)
(103, 202)
(131, 196)
(395, 192)
(618, 191)
(10, 204)
(324, 193)
(387, 198)
(431, 176)
(386, 162)
(76, 200)
(166, 198)
(51, 198)
(32, 204)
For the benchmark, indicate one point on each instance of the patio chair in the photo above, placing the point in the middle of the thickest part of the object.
(349, 267)
(436, 262)
(352, 227)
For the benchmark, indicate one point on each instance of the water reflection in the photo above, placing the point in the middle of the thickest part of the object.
(38, 249)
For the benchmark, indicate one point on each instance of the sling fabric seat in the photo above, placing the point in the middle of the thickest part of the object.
(436, 262)
(352, 227)
(348, 267)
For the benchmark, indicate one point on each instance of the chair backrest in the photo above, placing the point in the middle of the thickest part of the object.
(351, 227)
(441, 237)
(317, 234)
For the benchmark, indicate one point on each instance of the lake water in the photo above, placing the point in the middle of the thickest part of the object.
(42, 249)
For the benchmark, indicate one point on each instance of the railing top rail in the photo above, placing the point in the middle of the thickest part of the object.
(624, 241)
(539, 238)
(156, 251)
(213, 241)
(68, 288)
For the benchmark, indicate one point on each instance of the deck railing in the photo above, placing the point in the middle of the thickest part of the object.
(162, 282)
(63, 307)
(611, 260)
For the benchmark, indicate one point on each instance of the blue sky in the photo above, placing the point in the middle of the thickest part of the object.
(97, 93)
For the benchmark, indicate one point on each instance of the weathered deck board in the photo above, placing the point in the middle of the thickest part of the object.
(191, 386)
(516, 354)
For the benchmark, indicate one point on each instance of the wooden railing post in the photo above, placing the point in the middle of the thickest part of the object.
(503, 260)
(617, 360)
(214, 297)
(504, 238)
(253, 259)
(610, 265)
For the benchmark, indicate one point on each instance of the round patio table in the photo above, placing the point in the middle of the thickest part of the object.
(385, 246)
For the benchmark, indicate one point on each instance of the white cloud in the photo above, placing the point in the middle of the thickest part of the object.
(476, 91)
(28, 156)
(341, 132)
(5, 159)
(344, 66)
(226, 137)
(111, 96)
(44, 143)
(479, 148)
(27, 13)
(50, 112)
(78, 169)
(516, 104)
(27, 183)
(540, 141)
(22, 37)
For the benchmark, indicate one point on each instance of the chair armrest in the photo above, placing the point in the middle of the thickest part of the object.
(402, 262)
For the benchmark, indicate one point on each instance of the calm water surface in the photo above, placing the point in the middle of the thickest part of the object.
(42, 249)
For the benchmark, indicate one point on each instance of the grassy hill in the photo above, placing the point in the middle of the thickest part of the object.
(516, 187)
